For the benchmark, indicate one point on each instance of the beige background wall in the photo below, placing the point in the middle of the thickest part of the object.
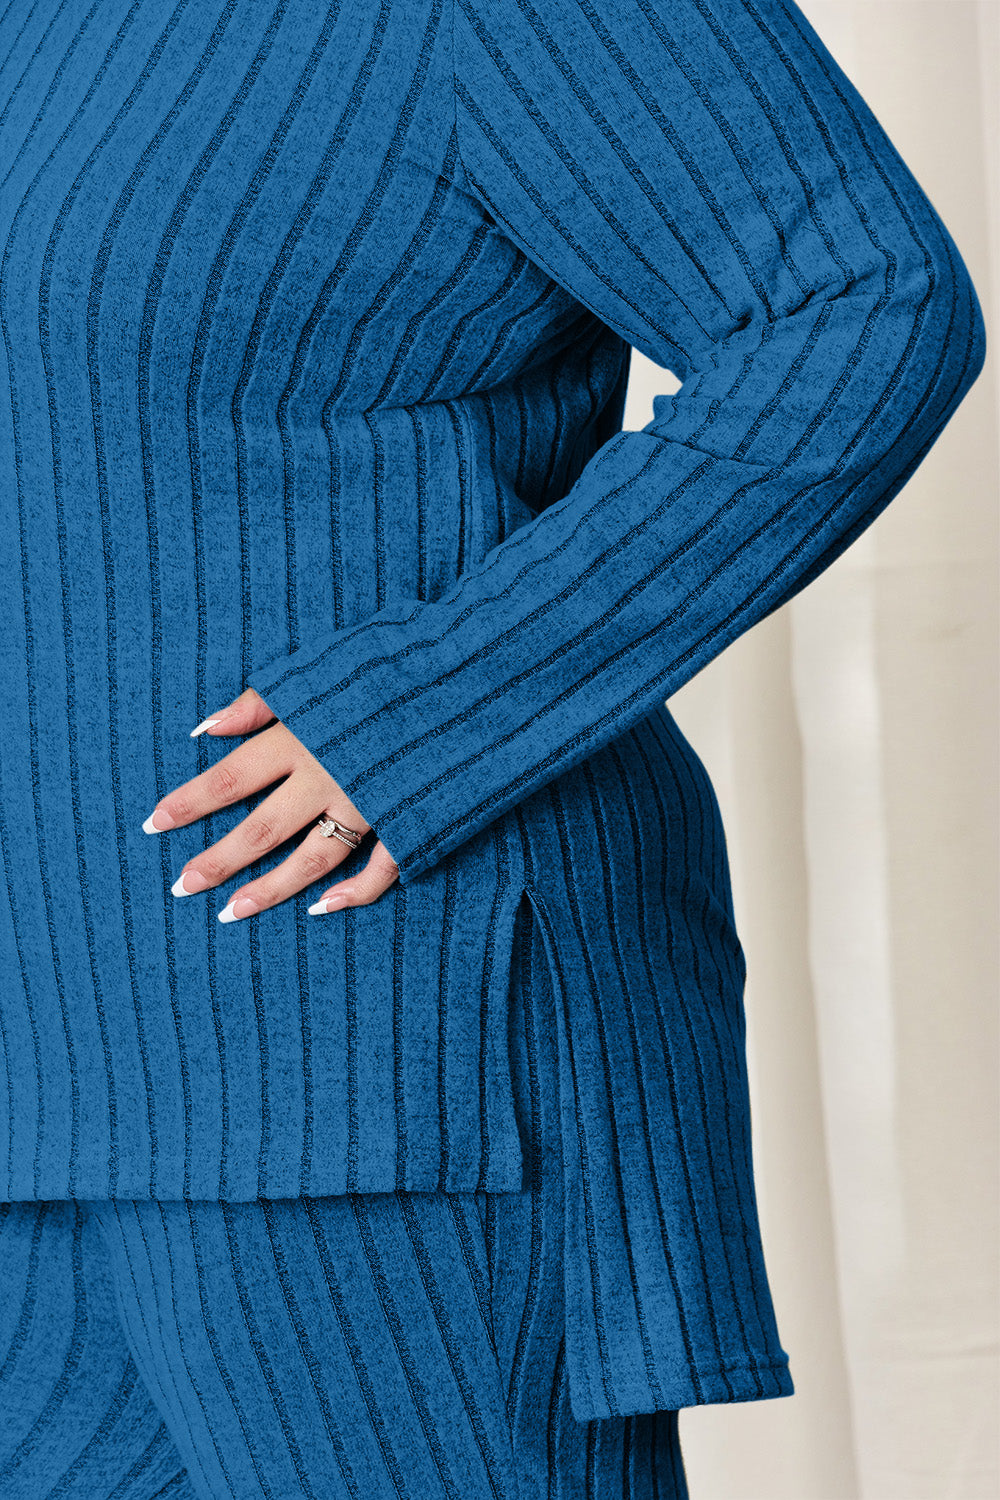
(852, 740)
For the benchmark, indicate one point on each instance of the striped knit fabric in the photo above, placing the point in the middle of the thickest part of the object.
(387, 1346)
(206, 1351)
(316, 325)
(335, 1348)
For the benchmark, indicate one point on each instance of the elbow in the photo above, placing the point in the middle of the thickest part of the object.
(945, 349)
(914, 346)
(961, 326)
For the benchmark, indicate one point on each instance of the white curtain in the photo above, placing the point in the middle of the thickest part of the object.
(852, 741)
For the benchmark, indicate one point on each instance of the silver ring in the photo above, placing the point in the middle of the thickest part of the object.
(330, 828)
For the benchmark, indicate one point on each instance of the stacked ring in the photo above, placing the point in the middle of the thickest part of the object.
(330, 828)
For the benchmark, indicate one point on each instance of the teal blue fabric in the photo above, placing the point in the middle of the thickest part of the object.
(382, 1346)
(317, 323)
(336, 1348)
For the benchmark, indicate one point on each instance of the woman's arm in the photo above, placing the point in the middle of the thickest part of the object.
(705, 178)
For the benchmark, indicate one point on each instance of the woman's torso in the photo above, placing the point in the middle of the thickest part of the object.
(269, 369)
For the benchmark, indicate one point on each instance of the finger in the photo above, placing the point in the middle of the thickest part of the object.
(373, 881)
(247, 769)
(247, 712)
(293, 805)
(313, 860)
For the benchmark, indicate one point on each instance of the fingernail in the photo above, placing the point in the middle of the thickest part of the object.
(240, 906)
(188, 882)
(157, 822)
(206, 724)
(328, 903)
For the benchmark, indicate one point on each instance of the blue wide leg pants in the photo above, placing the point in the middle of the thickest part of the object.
(404, 1345)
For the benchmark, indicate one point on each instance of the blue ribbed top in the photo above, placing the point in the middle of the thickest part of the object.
(316, 327)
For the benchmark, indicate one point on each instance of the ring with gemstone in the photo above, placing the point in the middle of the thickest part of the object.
(330, 828)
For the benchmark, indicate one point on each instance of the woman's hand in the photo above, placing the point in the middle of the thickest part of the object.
(307, 792)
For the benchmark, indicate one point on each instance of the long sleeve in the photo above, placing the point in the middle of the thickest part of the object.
(704, 177)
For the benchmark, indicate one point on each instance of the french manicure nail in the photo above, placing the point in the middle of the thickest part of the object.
(188, 882)
(240, 906)
(157, 822)
(205, 724)
(327, 903)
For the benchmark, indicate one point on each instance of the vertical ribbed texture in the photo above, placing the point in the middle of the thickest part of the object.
(704, 178)
(316, 325)
(367, 1345)
(226, 288)
(666, 1281)
(76, 1419)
